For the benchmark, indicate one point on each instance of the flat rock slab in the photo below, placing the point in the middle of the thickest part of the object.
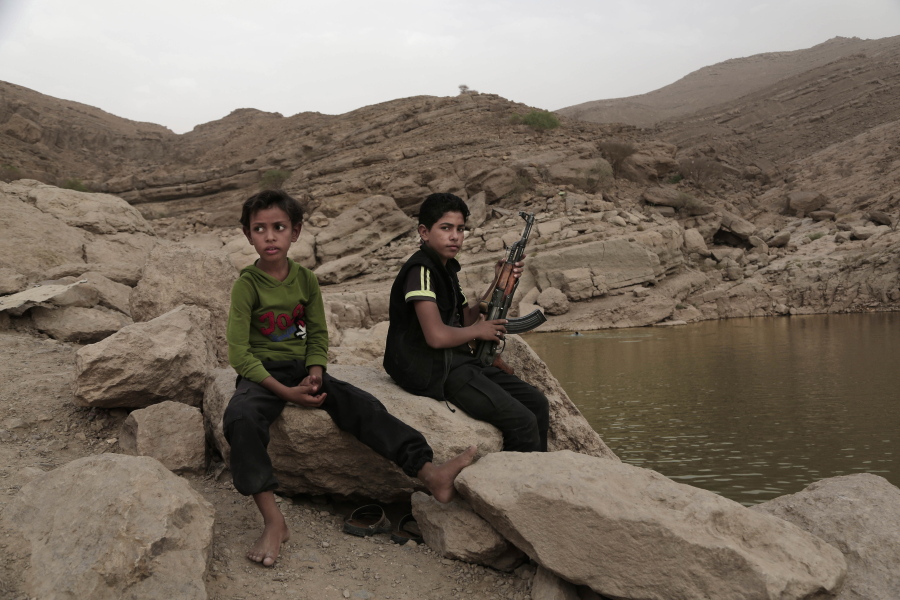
(629, 532)
(113, 526)
(859, 515)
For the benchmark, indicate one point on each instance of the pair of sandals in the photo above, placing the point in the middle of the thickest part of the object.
(370, 519)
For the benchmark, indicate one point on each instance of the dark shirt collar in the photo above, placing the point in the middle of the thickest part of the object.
(452, 265)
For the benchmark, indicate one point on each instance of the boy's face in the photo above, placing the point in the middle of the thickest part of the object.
(272, 234)
(446, 236)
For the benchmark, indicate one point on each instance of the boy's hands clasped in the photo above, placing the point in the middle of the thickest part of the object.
(305, 394)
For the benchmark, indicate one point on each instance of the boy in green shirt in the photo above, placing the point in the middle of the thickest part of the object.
(278, 344)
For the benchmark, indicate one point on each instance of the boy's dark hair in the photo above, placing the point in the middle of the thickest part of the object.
(269, 198)
(435, 205)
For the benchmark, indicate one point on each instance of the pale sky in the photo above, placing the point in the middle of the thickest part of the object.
(180, 63)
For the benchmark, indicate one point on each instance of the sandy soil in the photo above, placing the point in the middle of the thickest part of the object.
(41, 428)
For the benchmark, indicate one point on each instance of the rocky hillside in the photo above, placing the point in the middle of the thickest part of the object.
(752, 206)
(720, 83)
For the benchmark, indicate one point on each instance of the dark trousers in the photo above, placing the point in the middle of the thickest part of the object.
(519, 410)
(253, 408)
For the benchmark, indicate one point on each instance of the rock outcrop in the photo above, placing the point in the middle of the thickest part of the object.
(170, 432)
(860, 516)
(167, 358)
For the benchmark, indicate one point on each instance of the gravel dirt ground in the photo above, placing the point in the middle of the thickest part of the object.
(41, 428)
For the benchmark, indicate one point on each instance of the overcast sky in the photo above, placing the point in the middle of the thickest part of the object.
(180, 63)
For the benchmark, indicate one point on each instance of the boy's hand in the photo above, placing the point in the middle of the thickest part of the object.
(304, 395)
(516, 270)
(312, 383)
(489, 331)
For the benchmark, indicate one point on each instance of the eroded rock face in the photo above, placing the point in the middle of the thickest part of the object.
(167, 358)
(25, 226)
(177, 274)
(860, 516)
(369, 225)
(631, 533)
(112, 526)
(170, 432)
(454, 530)
(96, 213)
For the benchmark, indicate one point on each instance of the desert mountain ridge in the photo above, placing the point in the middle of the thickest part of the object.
(720, 83)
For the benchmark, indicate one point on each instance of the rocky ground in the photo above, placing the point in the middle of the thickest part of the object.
(41, 428)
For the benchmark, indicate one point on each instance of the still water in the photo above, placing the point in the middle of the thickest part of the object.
(748, 408)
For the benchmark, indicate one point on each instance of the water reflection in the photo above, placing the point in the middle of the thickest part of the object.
(749, 408)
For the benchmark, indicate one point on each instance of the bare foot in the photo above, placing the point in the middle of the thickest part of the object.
(439, 479)
(268, 546)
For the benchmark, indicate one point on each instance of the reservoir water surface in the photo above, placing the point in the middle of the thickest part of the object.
(751, 409)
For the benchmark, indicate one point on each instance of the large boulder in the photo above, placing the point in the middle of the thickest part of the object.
(26, 227)
(312, 456)
(804, 202)
(629, 532)
(737, 225)
(366, 227)
(113, 526)
(170, 432)
(860, 516)
(167, 358)
(177, 274)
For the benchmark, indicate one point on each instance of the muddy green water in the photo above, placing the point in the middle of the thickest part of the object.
(747, 408)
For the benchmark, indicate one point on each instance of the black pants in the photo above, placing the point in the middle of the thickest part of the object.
(253, 408)
(519, 410)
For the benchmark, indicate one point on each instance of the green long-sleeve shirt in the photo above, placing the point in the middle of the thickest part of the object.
(275, 320)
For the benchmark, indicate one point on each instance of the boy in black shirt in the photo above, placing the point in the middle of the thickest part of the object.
(431, 324)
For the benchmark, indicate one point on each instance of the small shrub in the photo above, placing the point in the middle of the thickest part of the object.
(464, 89)
(680, 306)
(675, 178)
(816, 235)
(9, 173)
(74, 184)
(539, 120)
(699, 169)
(273, 179)
(597, 178)
(616, 151)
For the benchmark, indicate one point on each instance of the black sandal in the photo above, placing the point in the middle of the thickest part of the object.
(407, 529)
(367, 520)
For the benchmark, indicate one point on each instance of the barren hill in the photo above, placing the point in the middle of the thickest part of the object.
(799, 115)
(720, 83)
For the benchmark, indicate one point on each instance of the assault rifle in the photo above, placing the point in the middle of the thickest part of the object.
(501, 295)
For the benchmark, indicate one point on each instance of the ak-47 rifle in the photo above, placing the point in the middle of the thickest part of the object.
(501, 295)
